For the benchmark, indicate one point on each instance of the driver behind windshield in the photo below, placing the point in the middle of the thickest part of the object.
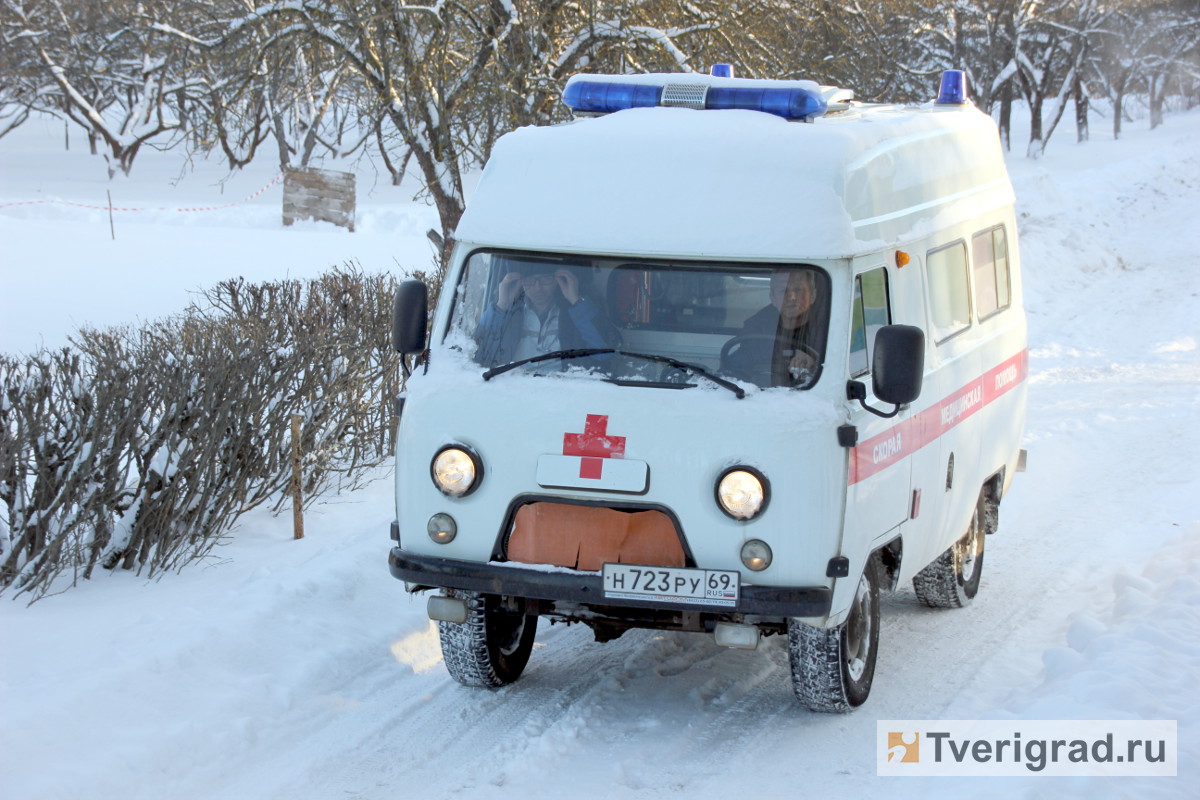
(783, 339)
(539, 308)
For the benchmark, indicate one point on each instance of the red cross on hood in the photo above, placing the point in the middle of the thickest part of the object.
(594, 445)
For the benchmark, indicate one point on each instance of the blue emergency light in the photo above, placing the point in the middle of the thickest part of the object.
(598, 96)
(953, 89)
(721, 71)
(594, 97)
(786, 103)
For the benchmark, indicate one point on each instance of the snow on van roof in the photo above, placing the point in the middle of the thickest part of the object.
(676, 182)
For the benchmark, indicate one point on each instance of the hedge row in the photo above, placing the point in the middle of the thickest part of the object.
(139, 448)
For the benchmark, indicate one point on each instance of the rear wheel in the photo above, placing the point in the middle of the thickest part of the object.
(492, 647)
(952, 581)
(832, 668)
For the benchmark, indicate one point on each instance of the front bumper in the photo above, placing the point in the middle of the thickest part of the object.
(514, 581)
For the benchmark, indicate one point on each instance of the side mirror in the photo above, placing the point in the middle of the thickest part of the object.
(409, 316)
(896, 370)
(899, 364)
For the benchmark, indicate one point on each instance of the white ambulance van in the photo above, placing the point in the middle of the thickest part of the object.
(721, 355)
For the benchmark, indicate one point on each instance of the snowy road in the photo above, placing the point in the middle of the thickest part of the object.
(301, 670)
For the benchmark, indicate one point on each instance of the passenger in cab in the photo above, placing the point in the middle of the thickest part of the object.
(539, 309)
(780, 344)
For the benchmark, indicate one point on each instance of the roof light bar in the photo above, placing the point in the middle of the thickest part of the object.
(603, 94)
(721, 71)
(594, 97)
(786, 103)
(953, 89)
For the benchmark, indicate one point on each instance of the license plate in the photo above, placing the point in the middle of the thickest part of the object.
(705, 587)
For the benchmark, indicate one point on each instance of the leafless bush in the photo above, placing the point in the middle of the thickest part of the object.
(58, 456)
(140, 448)
(332, 364)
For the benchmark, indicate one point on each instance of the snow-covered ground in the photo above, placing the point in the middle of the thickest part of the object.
(300, 669)
(179, 227)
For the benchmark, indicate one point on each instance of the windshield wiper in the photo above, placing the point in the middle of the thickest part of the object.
(583, 352)
(579, 352)
(695, 369)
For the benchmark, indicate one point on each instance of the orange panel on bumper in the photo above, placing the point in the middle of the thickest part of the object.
(585, 537)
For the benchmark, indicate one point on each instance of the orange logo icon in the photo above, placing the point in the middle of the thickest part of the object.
(904, 747)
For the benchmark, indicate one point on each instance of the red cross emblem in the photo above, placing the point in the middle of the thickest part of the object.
(595, 445)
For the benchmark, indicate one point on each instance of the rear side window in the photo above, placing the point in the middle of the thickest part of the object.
(949, 297)
(872, 310)
(989, 255)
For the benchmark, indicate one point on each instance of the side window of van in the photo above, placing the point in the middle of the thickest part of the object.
(989, 256)
(872, 310)
(949, 300)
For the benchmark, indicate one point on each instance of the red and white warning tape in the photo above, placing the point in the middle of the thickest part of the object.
(246, 199)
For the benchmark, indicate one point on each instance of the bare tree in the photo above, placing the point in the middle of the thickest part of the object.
(1079, 22)
(417, 62)
(106, 67)
(1173, 53)
(12, 114)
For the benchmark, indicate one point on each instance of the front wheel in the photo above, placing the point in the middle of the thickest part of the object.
(492, 647)
(832, 668)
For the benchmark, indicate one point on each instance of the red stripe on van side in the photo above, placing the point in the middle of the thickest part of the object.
(903, 439)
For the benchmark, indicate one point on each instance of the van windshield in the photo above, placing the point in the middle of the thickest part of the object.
(764, 324)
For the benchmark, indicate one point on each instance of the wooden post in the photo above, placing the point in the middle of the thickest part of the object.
(297, 490)
(111, 229)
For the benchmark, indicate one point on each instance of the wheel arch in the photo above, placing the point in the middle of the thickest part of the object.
(989, 498)
(888, 558)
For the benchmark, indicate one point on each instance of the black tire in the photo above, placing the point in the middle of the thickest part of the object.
(952, 581)
(832, 668)
(492, 647)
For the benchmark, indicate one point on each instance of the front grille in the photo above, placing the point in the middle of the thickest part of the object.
(588, 537)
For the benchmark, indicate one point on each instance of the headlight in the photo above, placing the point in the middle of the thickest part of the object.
(742, 493)
(455, 471)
